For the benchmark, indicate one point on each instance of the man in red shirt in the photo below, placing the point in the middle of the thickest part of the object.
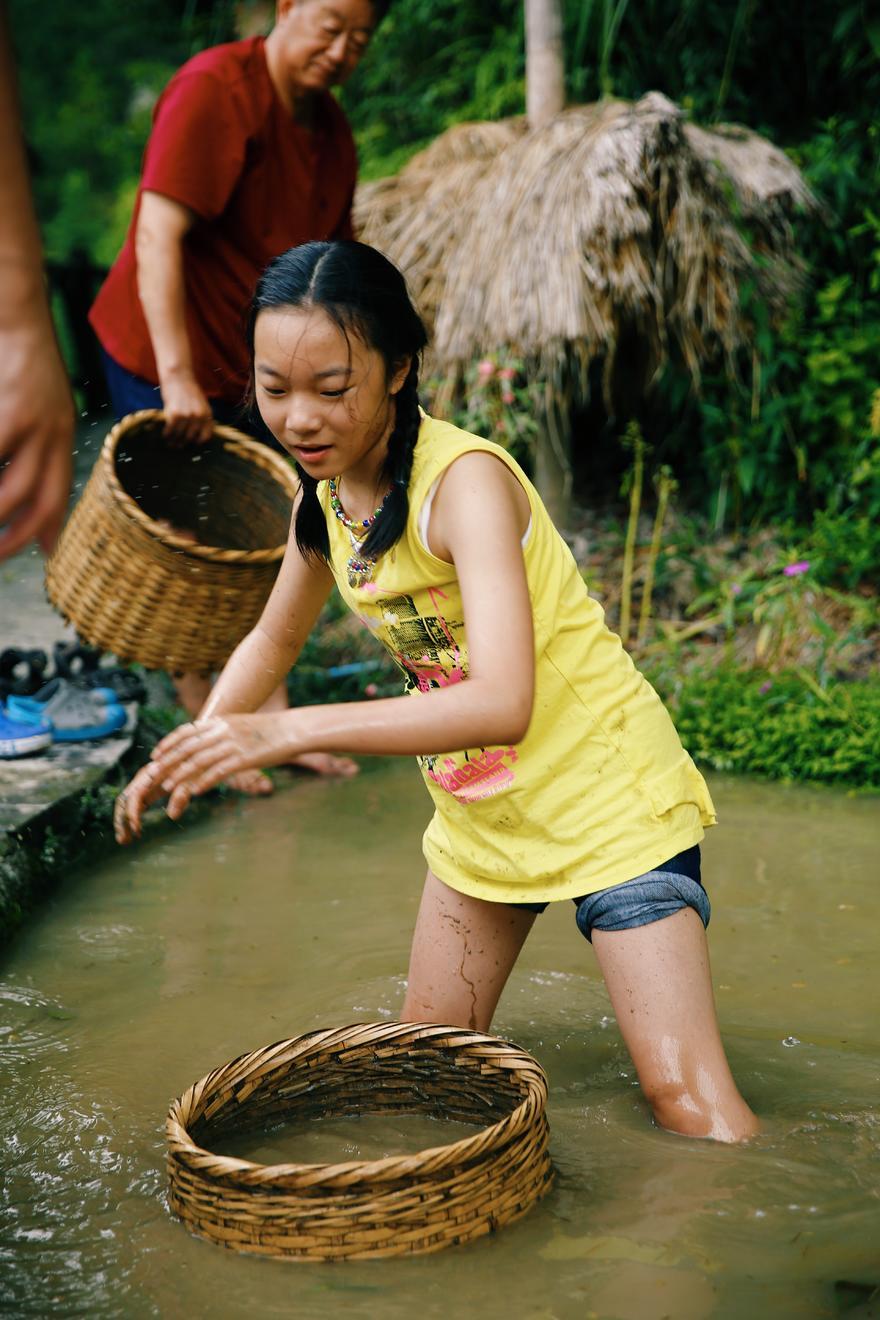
(249, 155)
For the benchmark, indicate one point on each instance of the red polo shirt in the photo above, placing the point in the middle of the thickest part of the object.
(223, 145)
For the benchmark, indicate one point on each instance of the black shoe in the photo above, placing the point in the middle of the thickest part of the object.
(126, 685)
(74, 660)
(22, 673)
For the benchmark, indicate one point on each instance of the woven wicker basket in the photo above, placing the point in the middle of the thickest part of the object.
(130, 584)
(399, 1205)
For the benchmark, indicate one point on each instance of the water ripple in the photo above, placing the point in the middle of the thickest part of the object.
(31, 1023)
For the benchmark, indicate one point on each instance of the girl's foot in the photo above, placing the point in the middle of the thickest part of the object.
(325, 763)
(253, 783)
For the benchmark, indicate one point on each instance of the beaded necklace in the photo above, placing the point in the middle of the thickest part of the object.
(360, 567)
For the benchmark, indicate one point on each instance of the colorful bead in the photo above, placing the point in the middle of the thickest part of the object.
(350, 523)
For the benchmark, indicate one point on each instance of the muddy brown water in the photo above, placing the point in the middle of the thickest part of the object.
(273, 918)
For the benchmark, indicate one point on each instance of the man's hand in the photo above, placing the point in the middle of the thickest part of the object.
(188, 416)
(36, 407)
(36, 431)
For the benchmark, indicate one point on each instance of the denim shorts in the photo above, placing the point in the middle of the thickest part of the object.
(658, 893)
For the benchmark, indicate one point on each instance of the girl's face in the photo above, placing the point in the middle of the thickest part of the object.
(327, 399)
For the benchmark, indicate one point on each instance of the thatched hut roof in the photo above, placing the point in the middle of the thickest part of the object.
(613, 219)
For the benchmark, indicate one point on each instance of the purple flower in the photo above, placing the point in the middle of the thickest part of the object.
(765, 687)
(735, 588)
(795, 570)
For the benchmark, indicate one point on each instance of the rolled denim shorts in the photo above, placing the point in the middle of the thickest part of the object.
(658, 893)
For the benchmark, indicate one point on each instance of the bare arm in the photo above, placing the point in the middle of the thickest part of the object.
(161, 228)
(493, 706)
(36, 408)
(270, 650)
(254, 670)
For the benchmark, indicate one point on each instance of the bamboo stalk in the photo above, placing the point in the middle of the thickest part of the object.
(666, 484)
(635, 441)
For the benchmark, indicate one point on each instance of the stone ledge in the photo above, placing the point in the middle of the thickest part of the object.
(55, 810)
(56, 814)
(31, 785)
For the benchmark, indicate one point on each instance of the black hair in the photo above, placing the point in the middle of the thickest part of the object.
(363, 294)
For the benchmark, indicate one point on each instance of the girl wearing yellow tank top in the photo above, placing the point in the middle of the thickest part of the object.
(555, 771)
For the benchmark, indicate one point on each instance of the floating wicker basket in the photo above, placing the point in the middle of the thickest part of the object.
(399, 1205)
(131, 584)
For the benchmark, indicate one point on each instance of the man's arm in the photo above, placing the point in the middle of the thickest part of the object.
(161, 228)
(36, 407)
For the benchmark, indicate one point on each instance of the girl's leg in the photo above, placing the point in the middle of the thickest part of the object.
(658, 979)
(463, 951)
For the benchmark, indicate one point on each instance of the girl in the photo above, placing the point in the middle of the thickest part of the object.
(573, 785)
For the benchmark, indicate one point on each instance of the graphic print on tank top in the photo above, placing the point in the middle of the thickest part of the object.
(425, 650)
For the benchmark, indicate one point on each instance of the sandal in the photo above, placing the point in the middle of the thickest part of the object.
(121, 684)
(22, 673)
(74, 714)
(75, 660)
(18, 738)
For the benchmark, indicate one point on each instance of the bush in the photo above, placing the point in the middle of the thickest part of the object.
(783, 727)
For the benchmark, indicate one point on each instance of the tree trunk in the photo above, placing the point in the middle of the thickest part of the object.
(553, 476)
(545, 97)
(545, 70)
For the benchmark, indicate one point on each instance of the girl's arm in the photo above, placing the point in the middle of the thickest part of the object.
(478, 518)
(253, 671)
(266, 655)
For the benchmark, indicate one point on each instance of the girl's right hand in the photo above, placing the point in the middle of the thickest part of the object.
(145, 789)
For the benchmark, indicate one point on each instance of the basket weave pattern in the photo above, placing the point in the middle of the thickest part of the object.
(398, 1205)
(129, 583)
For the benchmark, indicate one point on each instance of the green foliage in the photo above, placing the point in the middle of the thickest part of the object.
(778, 726)
(798, 433)
(498, 402)
(434, 63)
(90, 75)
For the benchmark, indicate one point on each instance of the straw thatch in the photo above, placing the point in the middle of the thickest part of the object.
(615, 221)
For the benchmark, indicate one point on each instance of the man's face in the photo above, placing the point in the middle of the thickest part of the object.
(322, 41)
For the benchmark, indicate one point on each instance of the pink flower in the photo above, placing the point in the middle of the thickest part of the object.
(506, 373)
(765, 687)
(486, 369)
(371, 690)
(507, 396)
(794, 570)
(735, 588)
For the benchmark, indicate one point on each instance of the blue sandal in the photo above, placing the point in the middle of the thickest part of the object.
(19, 738)
(72, 713)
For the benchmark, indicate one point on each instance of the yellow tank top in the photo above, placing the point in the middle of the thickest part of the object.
(600, 790)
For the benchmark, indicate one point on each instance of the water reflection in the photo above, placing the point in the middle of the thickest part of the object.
(271, 918)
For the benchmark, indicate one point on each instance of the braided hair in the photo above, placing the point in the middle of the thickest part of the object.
(363, 294)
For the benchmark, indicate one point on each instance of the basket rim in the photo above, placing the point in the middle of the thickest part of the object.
(235, 442)
(257, 1177)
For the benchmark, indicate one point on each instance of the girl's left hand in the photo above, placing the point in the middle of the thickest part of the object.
(197, 757)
